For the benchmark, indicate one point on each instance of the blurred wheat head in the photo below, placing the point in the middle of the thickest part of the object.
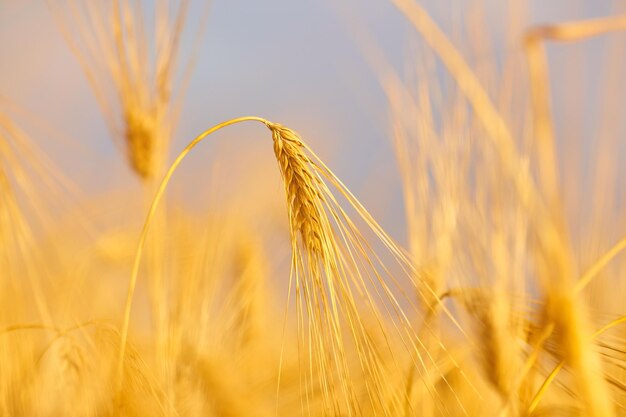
(123, 52)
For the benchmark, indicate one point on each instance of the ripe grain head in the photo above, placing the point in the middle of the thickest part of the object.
(301, 187)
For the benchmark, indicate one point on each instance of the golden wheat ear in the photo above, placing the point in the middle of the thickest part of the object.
(303, 197)
(349, 274)
(354, 291)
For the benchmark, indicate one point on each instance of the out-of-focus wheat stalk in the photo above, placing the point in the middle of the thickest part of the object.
(583, 361)
(540, 85)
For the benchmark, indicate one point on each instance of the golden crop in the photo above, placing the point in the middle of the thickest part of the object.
(491, 309)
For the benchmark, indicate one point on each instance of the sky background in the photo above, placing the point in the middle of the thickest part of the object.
(292, 61)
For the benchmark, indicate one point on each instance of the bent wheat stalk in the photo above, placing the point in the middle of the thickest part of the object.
(534, 43)
(339, 279)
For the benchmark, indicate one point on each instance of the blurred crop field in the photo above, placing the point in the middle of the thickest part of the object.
(312, 208)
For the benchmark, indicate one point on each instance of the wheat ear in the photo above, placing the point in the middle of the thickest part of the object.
(117, 54)
(337, 275)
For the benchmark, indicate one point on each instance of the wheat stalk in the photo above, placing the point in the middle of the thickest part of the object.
(536, 55)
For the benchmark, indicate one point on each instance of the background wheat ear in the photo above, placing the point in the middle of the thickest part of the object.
(141, 136)
(132, 62)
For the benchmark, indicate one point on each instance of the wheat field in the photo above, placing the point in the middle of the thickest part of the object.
(257, 281)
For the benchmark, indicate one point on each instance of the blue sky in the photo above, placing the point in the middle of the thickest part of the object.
(290, 61)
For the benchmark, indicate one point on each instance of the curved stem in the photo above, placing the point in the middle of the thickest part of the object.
(544, 386)
(144, 232)
(599, 265)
